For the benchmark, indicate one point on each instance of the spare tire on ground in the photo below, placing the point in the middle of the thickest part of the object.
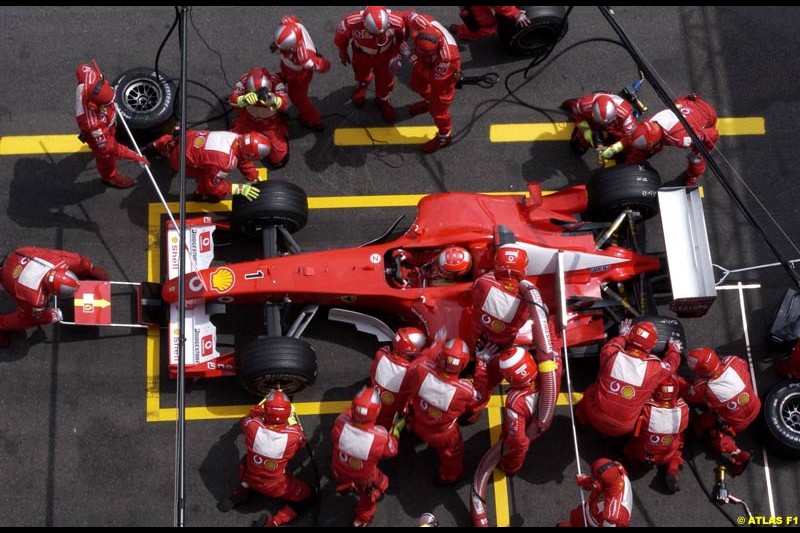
(146, 100)
(615, 189)
(548, 25)
(782, 416)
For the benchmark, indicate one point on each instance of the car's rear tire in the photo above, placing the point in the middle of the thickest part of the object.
(667, 328)
(279, 203)
(615, 189)
(548, 26)
(276, 362)
(147, 102)
(782, 416)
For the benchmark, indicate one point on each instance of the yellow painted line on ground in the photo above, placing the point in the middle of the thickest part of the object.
(498, 133)
(561, 131)
(499, 484)
(742, 126)
(41, 144)
(543, 131)
(381, 136)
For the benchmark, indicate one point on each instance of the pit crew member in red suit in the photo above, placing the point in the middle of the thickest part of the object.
(261, 98)
(358, 446)
(726, 388)
(299, 61)
(502, 302)
(659, 434)
(375, 35)
(272, 437)
(438, 398)
(211, 155)
(521, 422)
(600, 119)
(31, 276)
(664, 129)
(390, 369)
(627, 377)
(436, 70)
(96, 115)
(481, 21)
(610, 500)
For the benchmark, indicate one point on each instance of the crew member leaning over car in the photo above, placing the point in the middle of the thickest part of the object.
(502, 302)
(628, 375)
(211, 155)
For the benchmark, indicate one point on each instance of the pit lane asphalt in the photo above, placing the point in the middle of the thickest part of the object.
(76, 448)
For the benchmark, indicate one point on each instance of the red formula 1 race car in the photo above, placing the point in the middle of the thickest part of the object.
(606, 274)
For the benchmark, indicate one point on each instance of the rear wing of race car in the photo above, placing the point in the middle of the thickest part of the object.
(691, 272)
(201, 355)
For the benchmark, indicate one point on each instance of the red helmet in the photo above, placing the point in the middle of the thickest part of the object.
(427, 40)
(517, 367)
(83, 70)
(95, 86)
(257, 79)
(62, 282)
(366, 406)
(604, 109)
(408, 342)
(609, 473)
(376, 21)
(510, 262)
(703, 361)
(643, 336)
(277, 407)
(667, 391)
(288, 34)
(454, 262)
(646, 135)
(454, 356)
(255, 145)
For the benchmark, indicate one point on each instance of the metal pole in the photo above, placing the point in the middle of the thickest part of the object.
(180, 444)
(563, 319)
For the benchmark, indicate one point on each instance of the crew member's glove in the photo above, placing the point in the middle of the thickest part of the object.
(395, 64)
(398, 426)
(143, 162)
(272, 101)
(246, 190)
(586, 131)
(344, 57)
(625, 326)
(247, 99)
(487, 352)
(676, 344)
(99, 273)
(273, 47)
(55, 315)
(611, 151)
(522, 20)
(404, 50)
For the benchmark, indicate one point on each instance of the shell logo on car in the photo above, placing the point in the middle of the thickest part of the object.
(222, 279)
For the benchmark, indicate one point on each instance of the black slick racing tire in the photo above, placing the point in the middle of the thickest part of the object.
(279, 203)
(615, 189)
(667, 328)
(782, 416)
(276, 362)
(548, 25)
(147, 103)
